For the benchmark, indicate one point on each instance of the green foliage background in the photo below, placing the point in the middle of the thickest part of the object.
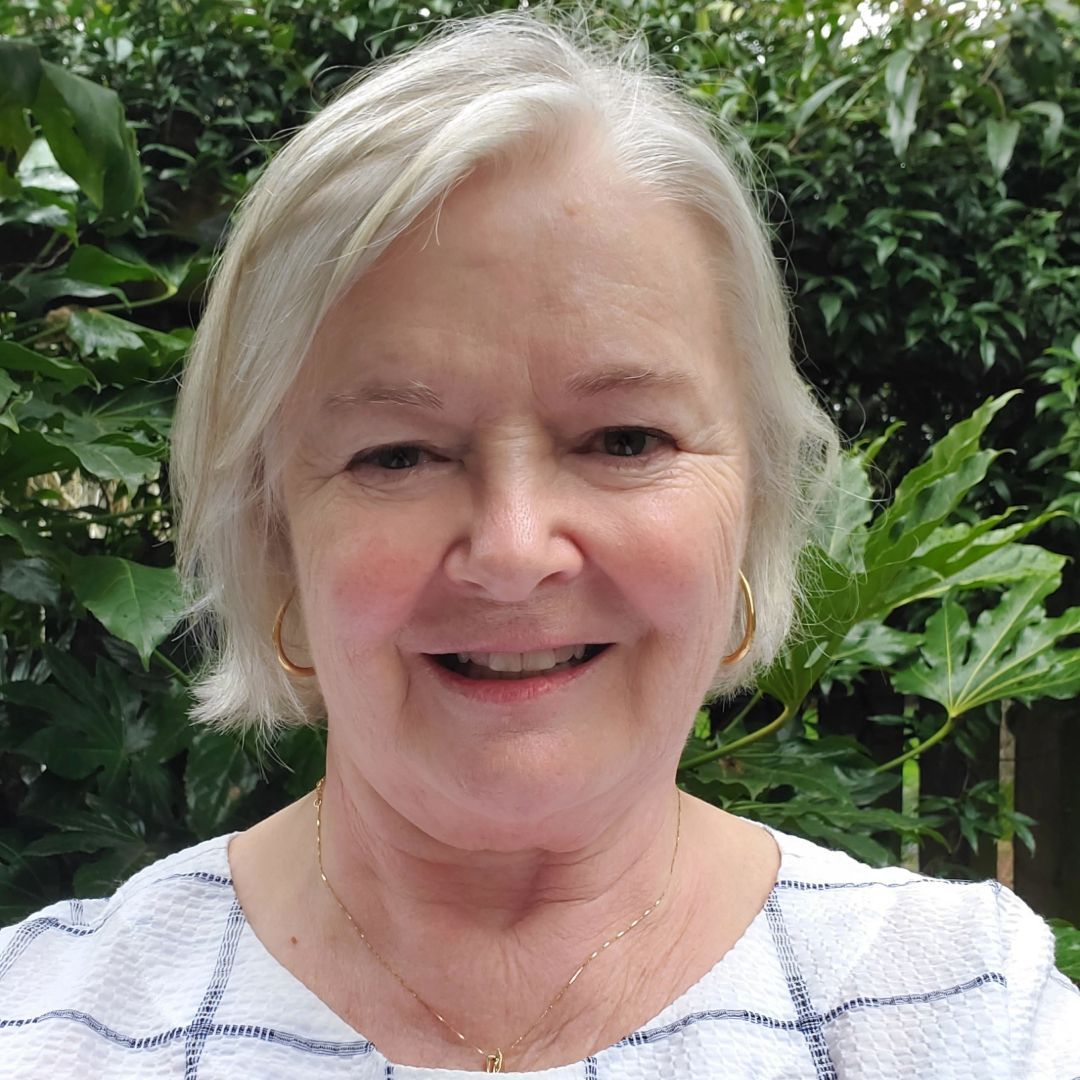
(920, 171)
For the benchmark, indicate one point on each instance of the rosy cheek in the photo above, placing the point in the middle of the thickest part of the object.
(368, 590)
(677, 560)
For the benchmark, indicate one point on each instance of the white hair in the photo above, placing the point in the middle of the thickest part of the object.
(391, 145)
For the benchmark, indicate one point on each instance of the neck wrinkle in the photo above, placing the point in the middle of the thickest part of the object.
(397, 890)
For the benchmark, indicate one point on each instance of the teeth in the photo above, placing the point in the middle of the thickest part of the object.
(537, 661)
(541, 660)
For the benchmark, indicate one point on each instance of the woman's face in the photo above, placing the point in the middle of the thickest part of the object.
(520, 433)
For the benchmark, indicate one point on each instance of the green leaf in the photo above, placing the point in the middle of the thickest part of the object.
(219, 774)
(21, 65)
(90, 263)
(885, 246)
(347, 26)
(98, 332)
(1013, 651)
(1055, 120)
(1000, 143)
(30, 580)
(138, 604)
(18, 358)
(39, 169)
(29, 453)
(30, 542)
(84, 124)
(900, 116)
(16, 136)
(896, 70)
(106, 461)
(933, 489)
(829, 303)
(870, 644)
(84, 734)
(1067, 948)
(103, 876)
(816, 100)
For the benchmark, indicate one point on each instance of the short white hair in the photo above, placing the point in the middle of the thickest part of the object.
(391, 145)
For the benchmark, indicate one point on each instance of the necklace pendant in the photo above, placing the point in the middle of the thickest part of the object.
(493, 1062)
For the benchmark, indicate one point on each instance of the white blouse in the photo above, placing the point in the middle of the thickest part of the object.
(847, 972)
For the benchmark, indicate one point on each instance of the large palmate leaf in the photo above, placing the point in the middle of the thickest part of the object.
(219, 773)
(138, 604)
(93, 720)
(1012, 651)
(863, 568)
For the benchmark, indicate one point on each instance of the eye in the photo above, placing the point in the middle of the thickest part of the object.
(399, 457)
(631, 442)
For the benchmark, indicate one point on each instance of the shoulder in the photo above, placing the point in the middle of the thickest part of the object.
(936, 922)
(867, 940)
(75, 952)
(154, 894)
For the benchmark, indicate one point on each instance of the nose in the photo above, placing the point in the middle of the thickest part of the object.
(517, 537)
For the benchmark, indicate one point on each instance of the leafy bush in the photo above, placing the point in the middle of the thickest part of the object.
(921, 176)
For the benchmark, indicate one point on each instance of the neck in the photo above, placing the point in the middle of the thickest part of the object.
(604, 862)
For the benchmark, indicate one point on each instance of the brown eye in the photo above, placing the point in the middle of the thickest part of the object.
(398, 458)
(628, 442)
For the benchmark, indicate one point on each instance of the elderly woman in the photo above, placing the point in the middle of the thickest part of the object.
(489, 441)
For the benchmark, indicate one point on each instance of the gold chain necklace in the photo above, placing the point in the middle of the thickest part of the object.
(493, 1062)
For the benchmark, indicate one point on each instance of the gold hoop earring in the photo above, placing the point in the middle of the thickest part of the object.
(751, 624)
(293, 669)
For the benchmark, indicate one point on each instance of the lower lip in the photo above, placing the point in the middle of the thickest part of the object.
(509, 691)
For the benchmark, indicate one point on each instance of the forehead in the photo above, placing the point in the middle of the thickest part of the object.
(557, 266)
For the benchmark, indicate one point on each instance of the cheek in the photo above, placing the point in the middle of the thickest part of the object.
(363, 591)
(675, 559)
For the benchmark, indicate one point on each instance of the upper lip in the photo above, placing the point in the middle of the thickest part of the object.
(517, 646)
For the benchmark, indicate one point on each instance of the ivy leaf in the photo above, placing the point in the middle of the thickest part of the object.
(138, 604)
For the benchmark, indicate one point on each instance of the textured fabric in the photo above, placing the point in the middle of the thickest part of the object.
(847, 972)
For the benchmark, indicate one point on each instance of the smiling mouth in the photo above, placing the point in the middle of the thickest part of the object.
(492, 665)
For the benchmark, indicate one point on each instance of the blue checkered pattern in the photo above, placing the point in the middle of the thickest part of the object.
(808, 995)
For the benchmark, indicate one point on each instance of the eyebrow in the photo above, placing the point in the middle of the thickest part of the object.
(585, 384)
(625, 377)
(413, 393)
